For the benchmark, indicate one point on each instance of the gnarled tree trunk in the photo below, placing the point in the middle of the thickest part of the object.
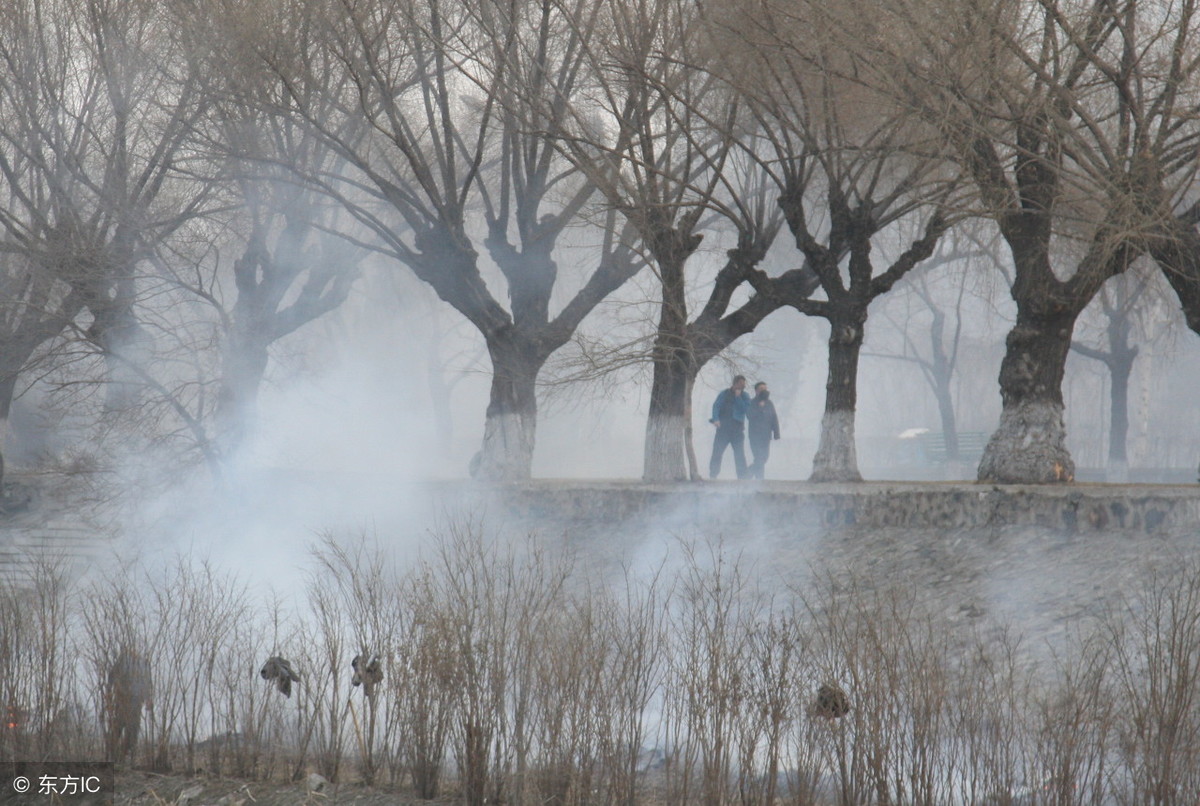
(1029, 446)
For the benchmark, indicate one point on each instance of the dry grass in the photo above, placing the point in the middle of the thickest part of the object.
(509, 677)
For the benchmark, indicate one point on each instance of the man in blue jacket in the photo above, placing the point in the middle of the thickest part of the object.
(729, 416)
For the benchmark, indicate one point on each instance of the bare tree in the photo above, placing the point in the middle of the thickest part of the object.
(942, 284)
(95, 112)
(289, 274)
(436, 108)
(1126, 82)
(661, 137)
(1158, 61)
(293, 267)
(1119, 300)
(1022, 94)
(34, 310)
(832, 147)
(937, 360)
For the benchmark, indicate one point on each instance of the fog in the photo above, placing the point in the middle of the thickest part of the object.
(359, 397)
(283, 286)
(351, 438)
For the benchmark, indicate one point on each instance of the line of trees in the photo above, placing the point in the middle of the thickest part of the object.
(184, 184)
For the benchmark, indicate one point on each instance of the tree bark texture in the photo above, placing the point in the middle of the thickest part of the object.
(665, 448)
(837, 458)
(511, 422)
(664, 452)
(1029, 446)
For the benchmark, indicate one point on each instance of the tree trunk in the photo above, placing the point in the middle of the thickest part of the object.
(511, 424)
(663, 458)
(32, 321)
(8, 386)
(1029, 446)
(1177, 253)
(945, 403)
(243, 367)
(688, 436)
(1120, 367)
(942, 378)
(126, 353)
(665, 447)
(836, 458)
(125, 344)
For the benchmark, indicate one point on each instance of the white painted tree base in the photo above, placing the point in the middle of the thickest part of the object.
(837, 457)
(507, 453)
(664, 452)
(1029, 447)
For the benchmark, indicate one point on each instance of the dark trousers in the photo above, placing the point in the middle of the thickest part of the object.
(761, 450)
(733, 435)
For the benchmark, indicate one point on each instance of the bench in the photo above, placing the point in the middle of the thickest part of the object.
(970, 446)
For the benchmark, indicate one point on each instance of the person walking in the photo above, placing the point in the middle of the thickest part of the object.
(763, 425)
(729, 416)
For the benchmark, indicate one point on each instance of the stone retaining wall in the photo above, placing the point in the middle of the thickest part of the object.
(1042, 560)
(1076, 509)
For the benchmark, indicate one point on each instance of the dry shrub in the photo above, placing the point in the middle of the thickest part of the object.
(424, 686)
(38, 675)
(354, 591)
(163, 651)
(988, 718)
(1154, 655)
(634, 633)
(498, 603)
(506, 676)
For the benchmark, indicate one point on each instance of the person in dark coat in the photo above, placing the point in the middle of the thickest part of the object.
(729, 416)
(763, 426)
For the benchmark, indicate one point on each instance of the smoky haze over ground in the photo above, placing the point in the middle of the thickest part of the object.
(305, 254)
(284, 284)
(397, 385)
(350, 426)
(350, 421)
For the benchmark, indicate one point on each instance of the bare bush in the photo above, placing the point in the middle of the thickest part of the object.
(493, 670)
(37, 673)
(1155, 659)
(424, 687)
